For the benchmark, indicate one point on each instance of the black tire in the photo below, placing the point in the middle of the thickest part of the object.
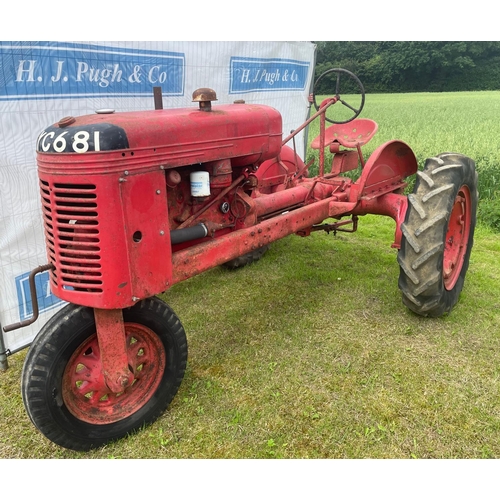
(49, 389)
(438, 234)
(246, 259)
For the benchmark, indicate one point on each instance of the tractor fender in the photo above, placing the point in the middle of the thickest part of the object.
(385, 171)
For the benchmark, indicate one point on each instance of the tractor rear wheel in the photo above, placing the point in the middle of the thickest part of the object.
(63, 387)
(438, 234)
(246, 259)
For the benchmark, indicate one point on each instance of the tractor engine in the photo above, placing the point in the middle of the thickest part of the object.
(122, 191)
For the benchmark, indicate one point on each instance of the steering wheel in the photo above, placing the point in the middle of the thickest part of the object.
(358, 84)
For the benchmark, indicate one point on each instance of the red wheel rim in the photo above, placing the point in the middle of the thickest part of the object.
(457, 237)
(85, 393)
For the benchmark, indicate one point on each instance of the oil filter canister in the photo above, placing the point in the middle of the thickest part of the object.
(200, 184)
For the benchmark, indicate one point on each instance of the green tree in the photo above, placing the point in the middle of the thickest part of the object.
(413, 66)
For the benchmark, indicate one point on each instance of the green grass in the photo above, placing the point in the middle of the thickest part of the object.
(309, 353)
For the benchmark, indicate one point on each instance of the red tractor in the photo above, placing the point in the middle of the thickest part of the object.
(136, 202)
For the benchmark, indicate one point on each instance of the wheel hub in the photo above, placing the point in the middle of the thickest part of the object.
(85, 392)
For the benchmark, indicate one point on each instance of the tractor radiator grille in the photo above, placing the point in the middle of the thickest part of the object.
(71, 225)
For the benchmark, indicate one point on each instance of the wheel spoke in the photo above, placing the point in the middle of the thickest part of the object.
(337, 86)
(90, 358)
(347, 105)
(139, 355)
(93, 397)
(87, 374)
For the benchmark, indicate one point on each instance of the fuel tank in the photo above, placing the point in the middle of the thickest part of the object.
(245, 133)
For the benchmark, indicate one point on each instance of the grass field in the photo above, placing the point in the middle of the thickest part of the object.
(309, 353)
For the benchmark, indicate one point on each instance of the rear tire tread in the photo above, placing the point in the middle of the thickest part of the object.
(424, 233)
(247, 258)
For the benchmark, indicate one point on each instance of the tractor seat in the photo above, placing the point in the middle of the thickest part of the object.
(350, 135)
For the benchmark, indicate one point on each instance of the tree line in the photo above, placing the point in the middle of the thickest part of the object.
(412, 66)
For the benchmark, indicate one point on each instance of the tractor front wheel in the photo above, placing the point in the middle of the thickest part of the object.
(63, 387)
(438, 234)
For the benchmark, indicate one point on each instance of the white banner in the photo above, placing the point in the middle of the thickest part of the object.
(42, 82)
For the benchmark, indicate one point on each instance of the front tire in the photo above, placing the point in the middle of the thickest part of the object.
(62, 384)
(438, 234)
